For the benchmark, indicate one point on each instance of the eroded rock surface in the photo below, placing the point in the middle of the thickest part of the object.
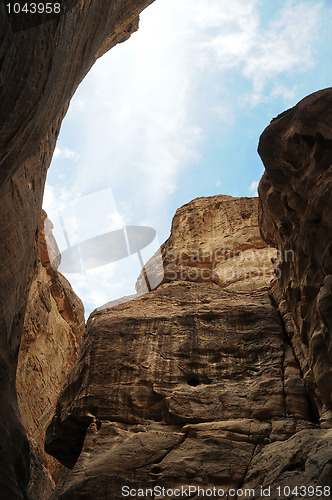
(178, 386)
(213, 239)
(40, 68)
(295, 215)
(41, 484)
(53, 327)
(194, 383)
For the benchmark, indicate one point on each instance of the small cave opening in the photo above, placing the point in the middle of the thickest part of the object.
(193, 381)
(156, 470)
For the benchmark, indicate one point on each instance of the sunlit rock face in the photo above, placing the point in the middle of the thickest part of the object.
(208, 381)
(213, 239)
(40, 69)
(198, 382)
(296, 216)
(53, 327)
(175, 385)
(194, 383)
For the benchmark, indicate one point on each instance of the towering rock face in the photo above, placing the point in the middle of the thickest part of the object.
(295, 215)
(194, 384)
(213, 239)
(177, 387)
(53, 327)
(41, 66)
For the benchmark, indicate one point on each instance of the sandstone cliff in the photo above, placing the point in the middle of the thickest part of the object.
(182, 386)
(213, 239)
(52, 330)
(195, 383)
(295, 215)
(41, 67)
(201, 381)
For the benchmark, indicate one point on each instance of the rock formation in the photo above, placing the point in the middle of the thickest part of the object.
(295, 215)
(52, 330)
(213, 239)
(205, 381)
(180, 386)
(193, 384)
(41, 67)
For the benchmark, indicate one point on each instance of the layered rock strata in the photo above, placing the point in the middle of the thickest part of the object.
(295, 215)
(53, 327)
(184, 385)
(193, 384)
(213, 239)
(41, 66)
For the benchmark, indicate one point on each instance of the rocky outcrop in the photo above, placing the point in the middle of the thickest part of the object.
(53, 327)
(41, 67)
(213, 239)
(180, 386)
(41, 484)
(194, 384)
(295, 215)
(201, 382)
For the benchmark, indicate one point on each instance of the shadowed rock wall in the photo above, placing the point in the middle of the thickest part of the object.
(296, 216)
(193, 384)
(53, 327)
(40, 70)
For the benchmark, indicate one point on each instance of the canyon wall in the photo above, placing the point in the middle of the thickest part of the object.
(41, 66)
(195, 383)
(52, 331)
(211, 379)
(295, 215)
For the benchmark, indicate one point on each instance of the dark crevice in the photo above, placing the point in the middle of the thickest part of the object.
(156, 470)
(283, 375)
(314, 415)
(247, 469)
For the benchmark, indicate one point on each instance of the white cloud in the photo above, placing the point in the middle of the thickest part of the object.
(65, 153)
(288, 94)
(80, 218)
(142, 115)
(253, 186)
(261, 53)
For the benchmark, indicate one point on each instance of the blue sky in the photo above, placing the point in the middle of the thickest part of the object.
(175, 113)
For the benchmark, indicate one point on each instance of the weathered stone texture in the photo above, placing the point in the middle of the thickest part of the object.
(53, 327)
(41, 484)
(197, 382)
(213, 239)
(205, 369)
(20, 203)
(295, 215)
(303, 460)
(40, 69)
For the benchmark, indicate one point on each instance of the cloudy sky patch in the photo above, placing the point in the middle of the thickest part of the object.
(176, 112)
